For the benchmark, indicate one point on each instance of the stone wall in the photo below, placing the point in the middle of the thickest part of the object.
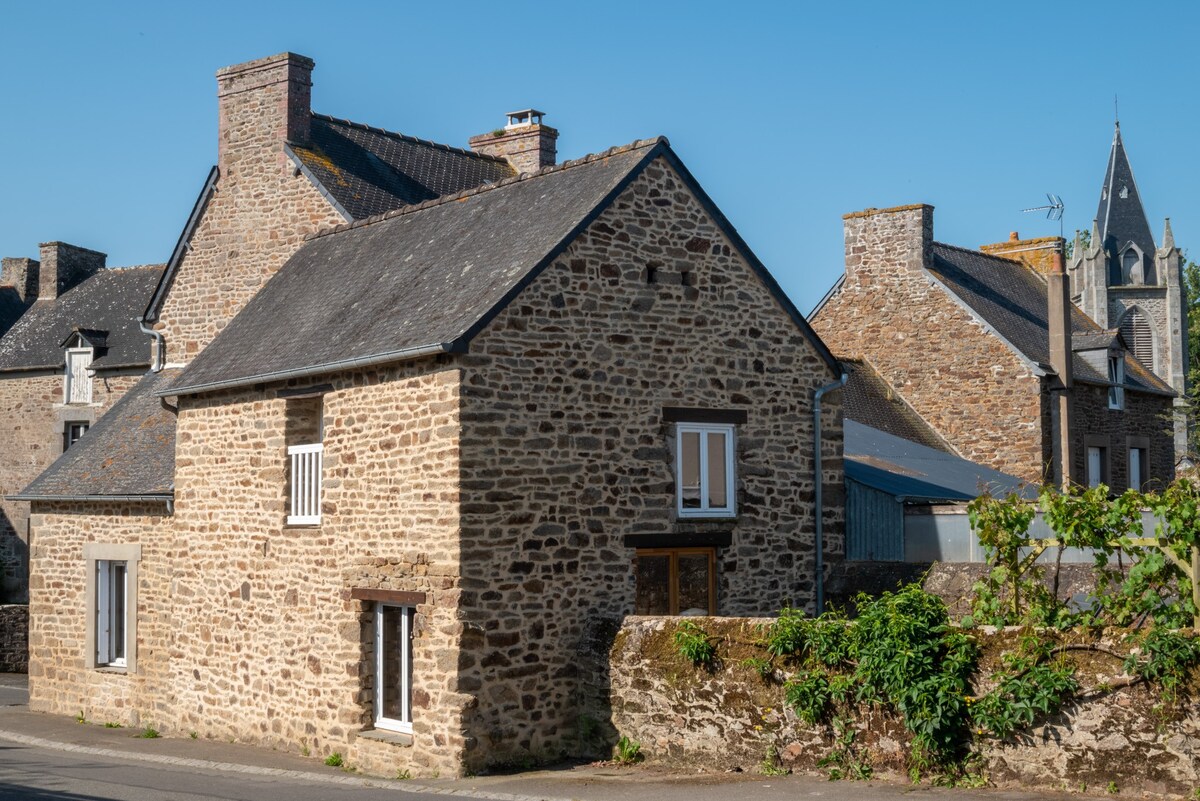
(262, 210)
(60, 680)
(1145, 416)
(32, 419)
(567, 459)
(731, 718)
(891, 312)
(14, 638)
(268, 645)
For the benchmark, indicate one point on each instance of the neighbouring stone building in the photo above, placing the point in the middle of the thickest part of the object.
(976, 344)
(387, 494)
(74, 350)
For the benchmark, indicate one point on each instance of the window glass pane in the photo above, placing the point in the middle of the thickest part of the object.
(117, 651)
(689, 469)
(1135, 469)
(653, 586)
(393, 682)
(693, 584)
(718, 492)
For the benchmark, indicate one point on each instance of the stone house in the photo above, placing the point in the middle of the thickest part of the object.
(991, 353)
(72, 351)
(389, 492)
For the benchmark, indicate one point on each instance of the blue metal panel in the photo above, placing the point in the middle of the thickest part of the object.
(874, 525)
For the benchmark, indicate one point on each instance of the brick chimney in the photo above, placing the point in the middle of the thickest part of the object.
(64, 266)
(525, 142)
(261, 105)
(1058, 298)
(20, 274)
(884, 243)
(1037, 253)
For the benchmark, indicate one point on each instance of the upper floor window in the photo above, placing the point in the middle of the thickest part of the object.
(77, 386)
(704, 469)
(1116, 377)
(305, 460)
(72, 433)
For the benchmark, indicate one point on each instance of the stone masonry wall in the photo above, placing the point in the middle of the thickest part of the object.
(566, 453)
(268, 646)
(261, 212)
(1144, 415)
(892, 313)
(731, 718)
(59, 680)
(32, 417)
(14, 638)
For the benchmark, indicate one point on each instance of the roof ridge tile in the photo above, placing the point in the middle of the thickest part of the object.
(466, 193)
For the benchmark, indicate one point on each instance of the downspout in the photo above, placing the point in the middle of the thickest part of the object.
(818, 485)
(159, 342)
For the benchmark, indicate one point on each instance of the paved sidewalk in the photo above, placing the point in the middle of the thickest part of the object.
(584, 783)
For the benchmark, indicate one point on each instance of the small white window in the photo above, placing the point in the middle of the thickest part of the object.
(704, 470)
(393, 667)
(1116, 377)
(77, 387)
(111, 603)
(72, 433)
(1137, 467)
(306, 462)
(1095, 466)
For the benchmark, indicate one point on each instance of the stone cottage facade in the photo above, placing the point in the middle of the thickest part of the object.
(72, 353)
(400, 492)
(968, 340)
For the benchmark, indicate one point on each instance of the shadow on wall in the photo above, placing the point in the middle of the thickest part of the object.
(14, 564)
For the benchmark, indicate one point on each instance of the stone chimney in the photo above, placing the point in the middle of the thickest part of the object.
(261, 105)
(1058, 298)
(883, 244)
(1037, 253)
(64, 266)
(525, 142)
(20, 274)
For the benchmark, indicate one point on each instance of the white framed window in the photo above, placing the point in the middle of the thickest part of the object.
(393, 667)
(306, 464)
(77, 385)
(1097, 466)
(72, 433)
(1116, 377)
(704, 469)
(111, 587)
(1137, 467)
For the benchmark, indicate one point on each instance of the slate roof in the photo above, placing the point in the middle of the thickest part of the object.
(868, 399)
(109, 301)
(426, 278)
(130, 451)
(368, 171)
(1121, 217)
(11, 308)
(1012, 298)
(914, 472)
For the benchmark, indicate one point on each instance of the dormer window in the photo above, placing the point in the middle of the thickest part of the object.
(77, 383)
(1116, 377)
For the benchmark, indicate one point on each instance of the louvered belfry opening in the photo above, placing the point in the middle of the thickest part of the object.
(1136, 331)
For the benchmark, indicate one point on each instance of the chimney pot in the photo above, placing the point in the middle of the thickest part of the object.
(1013, 236)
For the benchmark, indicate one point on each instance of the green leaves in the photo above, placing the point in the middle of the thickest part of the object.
(694, 644)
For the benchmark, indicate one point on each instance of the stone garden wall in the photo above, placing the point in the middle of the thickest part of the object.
(730, 717)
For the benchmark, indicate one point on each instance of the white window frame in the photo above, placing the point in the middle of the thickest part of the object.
(1136, 468)
(101, 561)
(304, 476)
(404, 723)
(69, 428)
(84, 377)
(703, 430)
(1096, 456)
(1116, 375)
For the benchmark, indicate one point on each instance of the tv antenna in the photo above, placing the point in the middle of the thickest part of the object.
(1054, 210)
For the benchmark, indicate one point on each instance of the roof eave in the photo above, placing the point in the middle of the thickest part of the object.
(163, 497)
(403, 354)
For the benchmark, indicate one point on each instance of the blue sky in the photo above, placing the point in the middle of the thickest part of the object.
(790, 114)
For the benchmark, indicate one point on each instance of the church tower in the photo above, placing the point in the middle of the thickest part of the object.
(1121, 280)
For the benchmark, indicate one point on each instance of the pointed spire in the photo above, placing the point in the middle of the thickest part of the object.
(1095, 237)
(1168, 235)
(1120, 214)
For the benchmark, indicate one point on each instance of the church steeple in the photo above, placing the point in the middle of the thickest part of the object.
(1124, 230)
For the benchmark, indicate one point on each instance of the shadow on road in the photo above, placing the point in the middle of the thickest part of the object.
(16, 792)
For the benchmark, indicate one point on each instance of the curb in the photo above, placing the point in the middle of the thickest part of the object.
(232, 767)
